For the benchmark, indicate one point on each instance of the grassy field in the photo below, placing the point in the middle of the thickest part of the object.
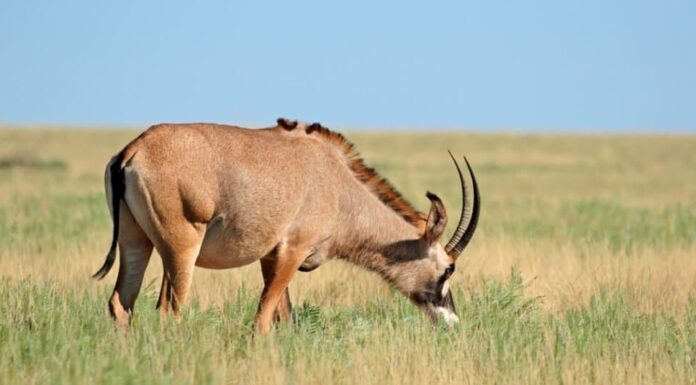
(583, 271)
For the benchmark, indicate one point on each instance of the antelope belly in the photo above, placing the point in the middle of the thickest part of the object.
(224, 249)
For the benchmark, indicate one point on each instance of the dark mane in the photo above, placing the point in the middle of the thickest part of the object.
(379, 185)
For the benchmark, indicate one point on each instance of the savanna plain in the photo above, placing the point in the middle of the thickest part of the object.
(582, 271)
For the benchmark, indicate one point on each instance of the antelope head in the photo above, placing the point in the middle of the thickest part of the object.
(424, 275)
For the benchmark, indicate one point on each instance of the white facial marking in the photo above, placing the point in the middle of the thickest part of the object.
(445, 288)
(447, 314)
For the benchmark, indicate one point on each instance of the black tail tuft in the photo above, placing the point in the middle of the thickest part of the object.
(118, 189)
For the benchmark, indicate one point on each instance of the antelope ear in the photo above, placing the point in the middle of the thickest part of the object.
(313, 127)
(437, 219)
(286, 123)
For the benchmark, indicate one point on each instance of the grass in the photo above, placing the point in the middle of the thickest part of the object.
(583, 271)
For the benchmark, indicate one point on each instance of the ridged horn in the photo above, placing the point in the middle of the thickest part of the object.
(462, 235)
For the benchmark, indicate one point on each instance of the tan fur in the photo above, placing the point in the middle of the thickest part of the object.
(221, 196)
(367, 175)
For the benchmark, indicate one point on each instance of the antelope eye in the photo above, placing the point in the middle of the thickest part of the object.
(449, 271)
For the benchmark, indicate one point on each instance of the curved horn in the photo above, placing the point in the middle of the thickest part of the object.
(462, 235)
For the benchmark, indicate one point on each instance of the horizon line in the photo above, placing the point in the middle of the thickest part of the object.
(366, 128)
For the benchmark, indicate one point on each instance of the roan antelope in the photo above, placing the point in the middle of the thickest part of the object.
(289, 196)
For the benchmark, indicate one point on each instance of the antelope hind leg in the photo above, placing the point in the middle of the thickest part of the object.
(135, 249)
(165, 297)
(178, 276)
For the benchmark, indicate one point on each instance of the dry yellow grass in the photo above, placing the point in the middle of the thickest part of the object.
(575, 215)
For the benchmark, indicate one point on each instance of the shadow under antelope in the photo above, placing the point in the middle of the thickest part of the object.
(289, 196)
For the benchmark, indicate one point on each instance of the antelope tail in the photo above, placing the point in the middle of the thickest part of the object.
(118, 189)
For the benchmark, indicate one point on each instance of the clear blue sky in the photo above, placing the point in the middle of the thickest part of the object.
(617, 65)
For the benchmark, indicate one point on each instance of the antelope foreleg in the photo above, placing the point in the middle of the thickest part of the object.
(278, 273)
(284, 308)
